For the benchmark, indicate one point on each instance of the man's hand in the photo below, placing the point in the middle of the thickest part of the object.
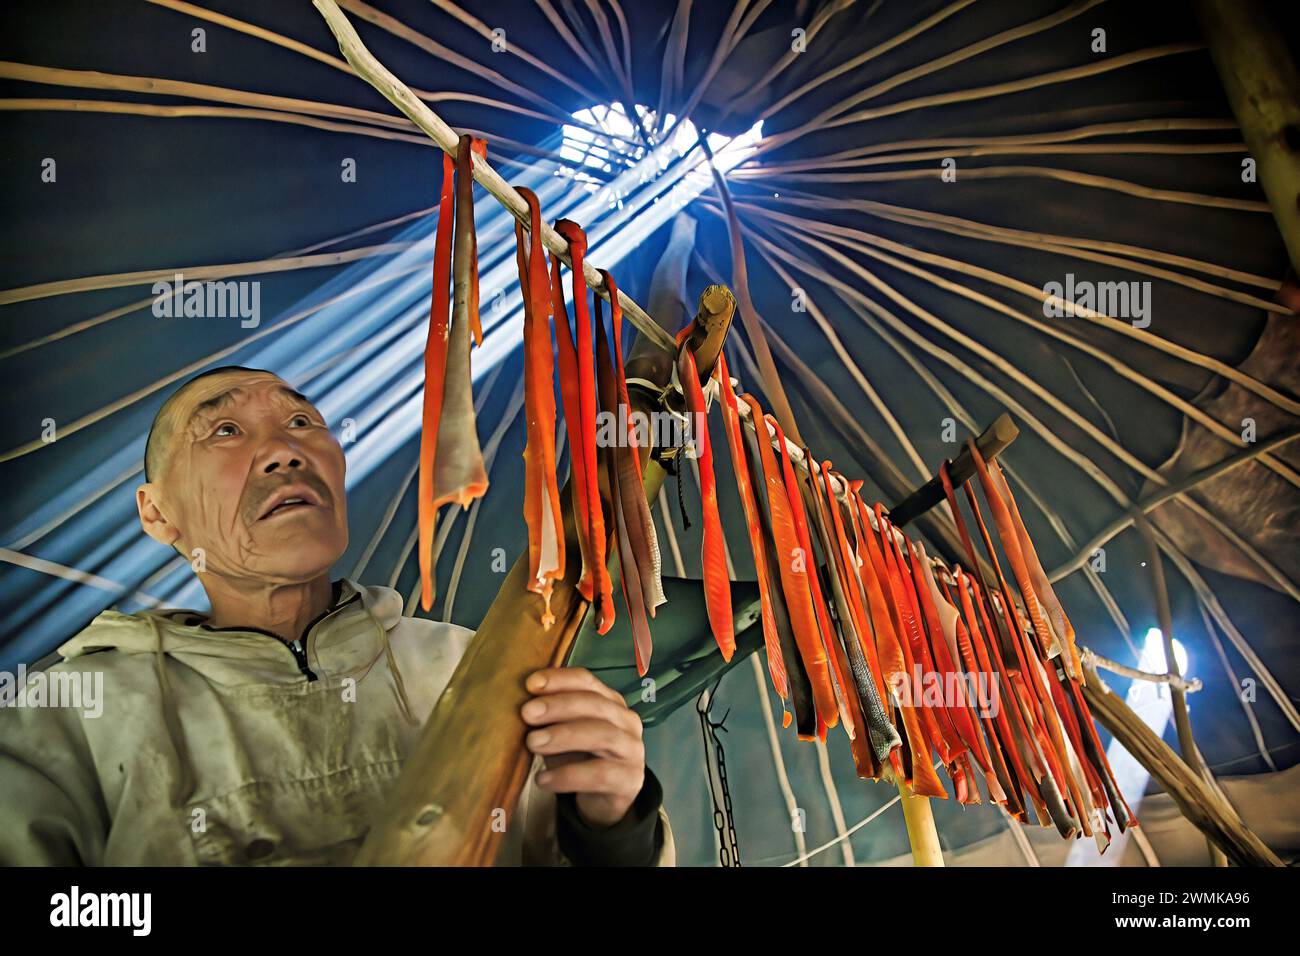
(590, 739)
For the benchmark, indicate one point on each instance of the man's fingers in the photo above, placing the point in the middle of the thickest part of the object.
(579, 705)
(609, 777)
(595, 737)
(552, 680)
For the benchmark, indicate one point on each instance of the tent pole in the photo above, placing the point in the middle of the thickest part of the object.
(1202, 807)
(400, 95)
(1260, 79)
(922, 834)
(1186, 744)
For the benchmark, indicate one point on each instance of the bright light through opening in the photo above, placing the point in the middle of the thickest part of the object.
(1153, 654)
(1151, 702)
(621, 146)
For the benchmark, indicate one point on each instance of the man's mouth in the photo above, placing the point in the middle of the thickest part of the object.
(289, 499)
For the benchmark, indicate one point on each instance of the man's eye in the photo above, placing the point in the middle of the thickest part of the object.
(302, 418)
(221, 432)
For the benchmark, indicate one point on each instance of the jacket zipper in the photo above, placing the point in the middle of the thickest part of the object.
(299, 648)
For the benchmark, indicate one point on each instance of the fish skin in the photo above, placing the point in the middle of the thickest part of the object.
(825, 628)
(541, 495)
(623, 490)
(596, 531)
(435, 371)
(459, 474)
(801, 693)
(794, 583)
(717, 583)
(881, 734)
(642, 523)
(731, 422)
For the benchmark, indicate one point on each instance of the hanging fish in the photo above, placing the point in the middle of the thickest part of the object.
(717, 583)
(825, 629)
(618, 475)
(884, 738)
(801, 693)
(792, 563)
(651, 571)
(541, 495)
(735, 442)
(578, 393)
(451, 461)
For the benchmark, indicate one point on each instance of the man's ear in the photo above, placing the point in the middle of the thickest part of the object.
(148, 502)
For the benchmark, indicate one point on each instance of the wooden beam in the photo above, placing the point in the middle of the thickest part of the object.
(1198, 803)
(1178, 697)
(1249, 49)
(991, 443)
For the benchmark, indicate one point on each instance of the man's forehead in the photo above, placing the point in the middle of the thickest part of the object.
(209, 397)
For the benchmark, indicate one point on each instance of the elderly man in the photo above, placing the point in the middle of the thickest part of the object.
(274, 728)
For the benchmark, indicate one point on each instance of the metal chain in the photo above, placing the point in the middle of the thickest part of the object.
(723, 819)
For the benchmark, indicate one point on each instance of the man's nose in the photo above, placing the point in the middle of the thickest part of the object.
(281, 455)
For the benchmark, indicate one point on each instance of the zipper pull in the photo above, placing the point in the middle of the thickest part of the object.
(299, 649)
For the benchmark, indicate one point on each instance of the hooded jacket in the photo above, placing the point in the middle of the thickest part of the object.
(215, 746)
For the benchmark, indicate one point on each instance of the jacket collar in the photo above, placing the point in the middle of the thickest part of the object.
(343, 640)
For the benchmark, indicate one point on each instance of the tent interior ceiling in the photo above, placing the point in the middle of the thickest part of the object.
(147, 192)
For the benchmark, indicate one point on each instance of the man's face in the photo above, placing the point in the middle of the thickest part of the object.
(240, 444)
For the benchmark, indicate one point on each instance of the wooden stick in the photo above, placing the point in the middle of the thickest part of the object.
(1071, 176)
(513, 47)
(838, 235)
(118, 280)
(866, 246)
(922, 834)
(991, 443)
(117, 405)
(1035, 293)
(1069, 451)
(893, 41)
(396, 92)
(1177, 691)
(1250, 53)
(1198, 803)
(976, 93)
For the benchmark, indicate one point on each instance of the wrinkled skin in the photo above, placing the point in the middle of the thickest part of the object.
(221, 469)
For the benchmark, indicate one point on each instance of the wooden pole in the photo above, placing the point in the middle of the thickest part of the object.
(1250, 53)
(1186, 743)
(922, 834)
(991, 443)
(1198, 802)
(401, 96)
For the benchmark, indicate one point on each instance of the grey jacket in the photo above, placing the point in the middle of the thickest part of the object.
(198, 747)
